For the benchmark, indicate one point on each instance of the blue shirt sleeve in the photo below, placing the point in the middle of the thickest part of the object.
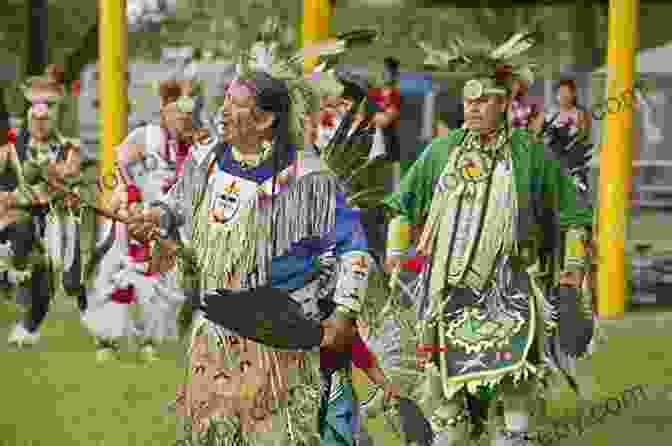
(350, 235)
(290, 271)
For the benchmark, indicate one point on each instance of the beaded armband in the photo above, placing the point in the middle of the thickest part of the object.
(398, 236)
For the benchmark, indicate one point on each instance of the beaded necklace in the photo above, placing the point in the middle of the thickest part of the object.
(262, 155)
(476, 161)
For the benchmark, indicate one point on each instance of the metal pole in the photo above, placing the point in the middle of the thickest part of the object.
(316, 20)
(616, 160)
(113, 86)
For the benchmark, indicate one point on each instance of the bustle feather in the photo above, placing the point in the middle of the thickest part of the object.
(574, 152)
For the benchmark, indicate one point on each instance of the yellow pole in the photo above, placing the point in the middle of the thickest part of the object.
(616, 160)
(112, 87)
(316, 19)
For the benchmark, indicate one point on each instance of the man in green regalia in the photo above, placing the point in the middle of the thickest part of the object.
(497, 211)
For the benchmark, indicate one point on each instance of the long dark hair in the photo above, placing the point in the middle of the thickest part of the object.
(272, 95)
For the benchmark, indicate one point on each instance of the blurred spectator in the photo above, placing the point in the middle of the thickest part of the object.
(388, 99)
(569, 113)
(651, 107)
(187, 74)
(525, 111)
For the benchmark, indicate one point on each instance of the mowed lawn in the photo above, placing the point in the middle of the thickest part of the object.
(56, 394)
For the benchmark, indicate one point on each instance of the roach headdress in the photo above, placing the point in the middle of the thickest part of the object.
(487, 68)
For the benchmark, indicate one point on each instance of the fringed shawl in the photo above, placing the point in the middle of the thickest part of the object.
(228, 255)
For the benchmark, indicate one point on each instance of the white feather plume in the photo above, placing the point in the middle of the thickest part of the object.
(514, 46)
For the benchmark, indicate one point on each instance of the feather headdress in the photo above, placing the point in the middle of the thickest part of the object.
(345, 158)
(280, 60)
(489, 68)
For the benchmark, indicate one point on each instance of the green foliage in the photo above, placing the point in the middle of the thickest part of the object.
(69, 22)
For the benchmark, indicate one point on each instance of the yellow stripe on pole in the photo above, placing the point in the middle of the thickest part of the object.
(112, 87)
(616, 160)
(316, 20)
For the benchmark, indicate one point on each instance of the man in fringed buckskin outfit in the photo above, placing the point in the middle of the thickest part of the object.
(221, 203)
(497, 212)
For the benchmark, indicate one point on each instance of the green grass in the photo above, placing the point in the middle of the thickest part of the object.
(55, 394)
